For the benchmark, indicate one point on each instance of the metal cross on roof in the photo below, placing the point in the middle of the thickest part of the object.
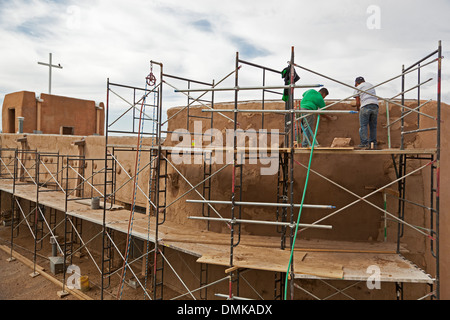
(50, 66)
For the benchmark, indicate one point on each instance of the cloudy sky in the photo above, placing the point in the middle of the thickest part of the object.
(99, 39)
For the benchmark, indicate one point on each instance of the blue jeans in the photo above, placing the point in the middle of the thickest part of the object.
(368, 116)
(309, 126)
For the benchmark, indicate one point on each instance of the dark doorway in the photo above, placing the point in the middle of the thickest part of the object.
(11, 120)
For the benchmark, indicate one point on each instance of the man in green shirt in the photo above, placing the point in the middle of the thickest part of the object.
(312, 100)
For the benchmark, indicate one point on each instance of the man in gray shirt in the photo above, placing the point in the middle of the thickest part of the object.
(367, 105)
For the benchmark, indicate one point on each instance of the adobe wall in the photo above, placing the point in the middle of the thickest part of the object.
(19, 104)
(50, 113)
(358, 173)
(82, 115)
(427, 139)
(94, 148)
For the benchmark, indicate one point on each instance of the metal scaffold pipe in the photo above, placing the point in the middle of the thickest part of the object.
(263, 204)
(282, 111)
(275, 223)
(237, 88)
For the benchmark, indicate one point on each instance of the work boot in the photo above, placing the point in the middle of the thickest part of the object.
(362, 147)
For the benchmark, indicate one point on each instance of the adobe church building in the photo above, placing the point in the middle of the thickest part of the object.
(51, 114)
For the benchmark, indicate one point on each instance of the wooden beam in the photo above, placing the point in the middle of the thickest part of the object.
(229, 270)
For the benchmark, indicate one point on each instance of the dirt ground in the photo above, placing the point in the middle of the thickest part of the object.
(17, 284)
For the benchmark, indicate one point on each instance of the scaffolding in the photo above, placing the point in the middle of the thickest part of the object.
(22, 175)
